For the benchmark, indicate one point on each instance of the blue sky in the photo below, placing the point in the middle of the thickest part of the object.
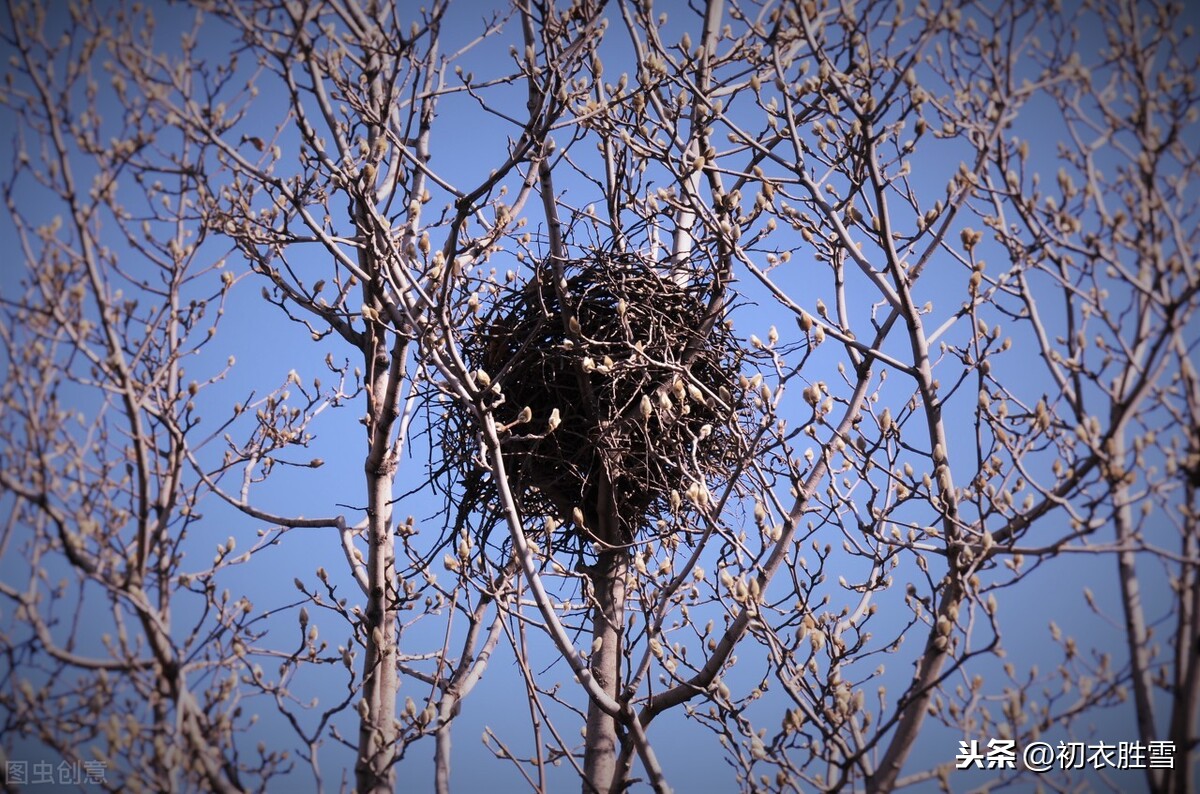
(267, 347)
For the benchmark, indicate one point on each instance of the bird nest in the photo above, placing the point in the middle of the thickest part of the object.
(617, 390)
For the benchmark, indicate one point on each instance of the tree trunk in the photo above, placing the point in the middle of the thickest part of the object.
(377, 735)
(373, 769)
(608, 616)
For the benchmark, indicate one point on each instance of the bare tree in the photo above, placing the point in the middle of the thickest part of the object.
(775, 348)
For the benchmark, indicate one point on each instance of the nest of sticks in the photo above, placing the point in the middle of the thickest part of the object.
(615, 386)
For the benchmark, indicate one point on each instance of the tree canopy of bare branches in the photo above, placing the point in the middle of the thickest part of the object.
(811, 380)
